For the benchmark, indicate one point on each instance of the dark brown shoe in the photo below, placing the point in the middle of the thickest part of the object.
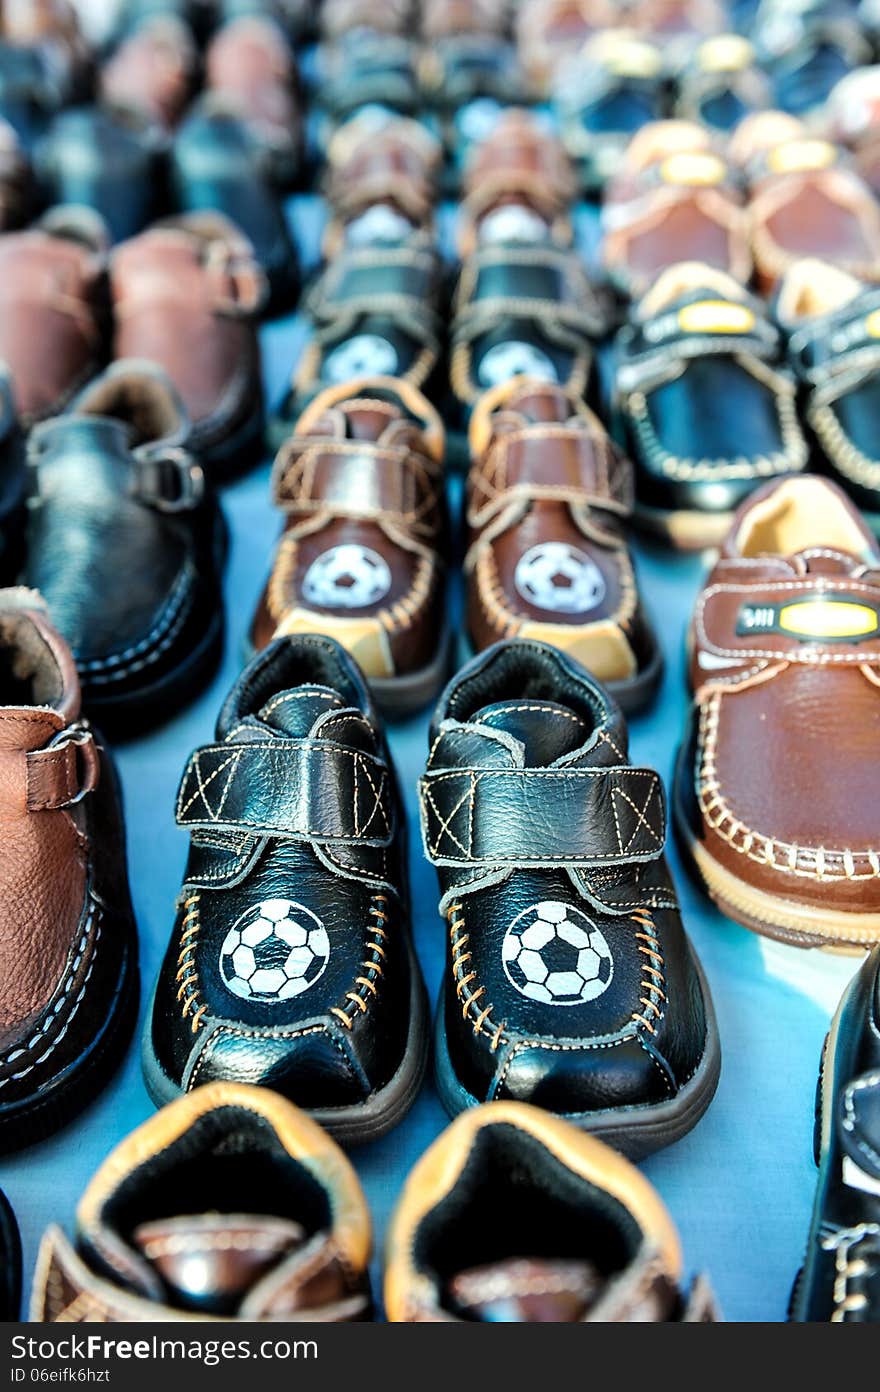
(68, 957)
(361, 556)
(548, 500)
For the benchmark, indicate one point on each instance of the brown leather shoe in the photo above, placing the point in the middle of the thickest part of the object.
(68, 956)
(518, 184)
(380, 159)
(152, 71)
(776, 790)
(361, 555)
(165, 1231)
(548, 31)
(51, 311)
(804, 201)
(516, 1216)
(548, 499)
(250, 65)
(675, 199)
(185, 296)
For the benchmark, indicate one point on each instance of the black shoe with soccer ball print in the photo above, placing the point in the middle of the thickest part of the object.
(570, 982)
(291, 963)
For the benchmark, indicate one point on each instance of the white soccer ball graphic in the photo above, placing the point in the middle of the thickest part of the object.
(364, 355)
(553, 953)
(275, 950)
(515, 359)
(559, 577)
(347, 577)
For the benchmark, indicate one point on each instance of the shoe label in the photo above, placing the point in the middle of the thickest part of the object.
(515, 359)
(554, 954)
(798, 156)
(276, 950)
(364, 355)
(559, 578)
(872, 324)
(347, 577)
(839, 620)
(716, 316)
(694, 169)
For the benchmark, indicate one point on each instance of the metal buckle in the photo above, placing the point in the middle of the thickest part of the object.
(171, 481)
(88, 765)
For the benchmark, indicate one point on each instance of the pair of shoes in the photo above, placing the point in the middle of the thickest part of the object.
(840, 1279)
(184, 296)
(795, 384)
(569, 979)
(164, 1232)
(775, 794)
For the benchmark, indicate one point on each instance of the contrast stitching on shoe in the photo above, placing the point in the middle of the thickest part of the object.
(481, 1021)
(373, 964)
(175, 612)
(187, 966)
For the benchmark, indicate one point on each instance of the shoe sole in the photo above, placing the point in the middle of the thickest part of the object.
(685, 529)
(59, 1101)
(635, 1131)
(355, 1124)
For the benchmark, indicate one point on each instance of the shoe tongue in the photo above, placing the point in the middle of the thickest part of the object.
(295, 712)
(529, 1291)
(209, 1261)
(369, 421)
(545, 729)
(541, 403)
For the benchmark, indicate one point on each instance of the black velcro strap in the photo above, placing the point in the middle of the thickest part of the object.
(300, 789)
(542, 816)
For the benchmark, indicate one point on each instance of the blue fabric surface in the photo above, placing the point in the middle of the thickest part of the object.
(739, 1187)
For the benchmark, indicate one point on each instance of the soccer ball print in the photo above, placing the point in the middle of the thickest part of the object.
(554, 954)
(274, 951)
(560, 578)
(347, 577)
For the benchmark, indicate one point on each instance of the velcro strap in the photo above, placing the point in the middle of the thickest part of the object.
(708, 326)
(818, 620)
(562, 462)
(375, 281)
(526, 817)
(298, 789)
(169, 480)
(355, 479)
(849, 342)
(529, 281)
(62, 773)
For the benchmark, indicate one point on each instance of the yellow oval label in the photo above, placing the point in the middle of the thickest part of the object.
(797, 156)
(626, 56)
(693, 168)
(872, 324)
(716, 316)
(828, 618)
(725, 53)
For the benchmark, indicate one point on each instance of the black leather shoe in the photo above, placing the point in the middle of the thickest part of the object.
(832, 322)
(219, 165)
(374, 313)
(840, 1279)
(126, 543)
(10, 1262)
(291, 963)
(698, 337)
(570, 982)
(112, 161)
(722, 84)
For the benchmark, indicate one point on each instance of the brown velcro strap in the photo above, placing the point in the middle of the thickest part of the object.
(62, 773)
(563, 463)
(817, 620)
(356, 479)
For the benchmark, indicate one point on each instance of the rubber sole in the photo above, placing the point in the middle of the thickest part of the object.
(635, 1131)
(33, 1119)
(355, 1124)
(686, 530)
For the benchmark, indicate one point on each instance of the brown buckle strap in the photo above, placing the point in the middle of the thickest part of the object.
(64, 772)
(357, 479)
(562, 463)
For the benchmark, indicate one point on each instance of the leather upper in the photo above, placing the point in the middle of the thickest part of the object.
(548, 495)
(113, 493)
(228, 1204)
(289, 964)
(591, 1241)
(381, 158)
(108, 160)
(698, 337)
(569, 980)
(153, 69)
(251, 66)
(523, 168)
(68, 936)
(840, 1281)
(185, 296)
(362, 553)
(784, 665)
